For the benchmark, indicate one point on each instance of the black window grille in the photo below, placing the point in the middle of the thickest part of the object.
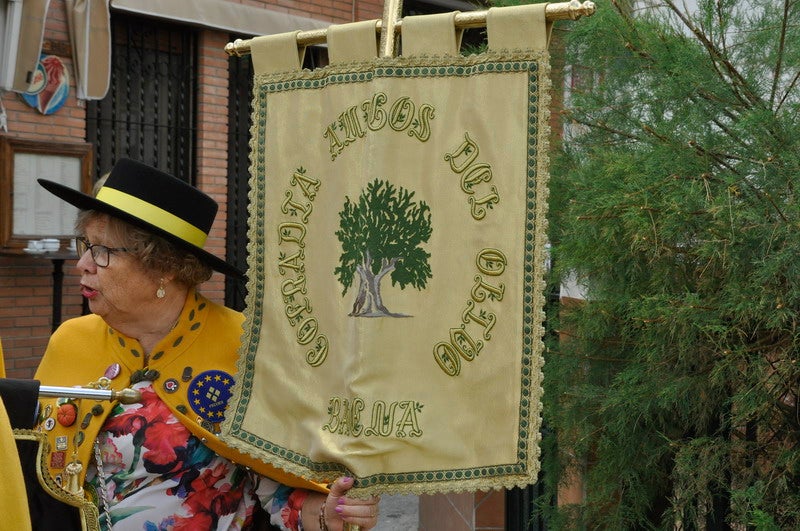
(240, 90)
(149, 112)
(240, 87)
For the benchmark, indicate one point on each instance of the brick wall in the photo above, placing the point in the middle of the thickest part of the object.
(26, 283)
(212, 142)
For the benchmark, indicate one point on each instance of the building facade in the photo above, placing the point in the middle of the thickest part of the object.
(167, 104)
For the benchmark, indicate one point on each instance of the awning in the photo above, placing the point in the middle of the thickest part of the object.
(218, 14)
(90, 29)
(30, 43)
(90, 34)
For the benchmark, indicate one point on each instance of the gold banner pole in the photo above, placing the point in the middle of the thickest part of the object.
(392, 15)
(472, 19)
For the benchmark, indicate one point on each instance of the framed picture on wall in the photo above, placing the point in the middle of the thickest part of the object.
(28, 211)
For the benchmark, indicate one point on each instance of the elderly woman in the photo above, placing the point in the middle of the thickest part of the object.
(158, 463)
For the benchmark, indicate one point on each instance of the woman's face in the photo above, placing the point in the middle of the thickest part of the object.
(123, 291)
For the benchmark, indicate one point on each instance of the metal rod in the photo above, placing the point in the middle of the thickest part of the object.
(392, 15)
(472, 19)
(125, 396)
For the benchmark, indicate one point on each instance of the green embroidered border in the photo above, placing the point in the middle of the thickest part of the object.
(525, 469)
(310, 81)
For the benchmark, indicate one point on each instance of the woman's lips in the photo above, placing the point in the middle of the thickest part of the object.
(88, 292)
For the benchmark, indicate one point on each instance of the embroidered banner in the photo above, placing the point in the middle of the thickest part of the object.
(395, 294)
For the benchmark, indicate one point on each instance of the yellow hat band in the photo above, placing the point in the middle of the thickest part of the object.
(153, 215)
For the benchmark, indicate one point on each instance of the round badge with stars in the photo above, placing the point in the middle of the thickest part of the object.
(208, 394)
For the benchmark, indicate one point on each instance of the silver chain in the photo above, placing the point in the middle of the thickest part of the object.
(101, 483)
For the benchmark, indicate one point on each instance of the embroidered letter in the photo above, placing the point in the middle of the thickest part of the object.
(336, 146)
(316, 356)
(478, 211)
(287, 234)
(374, 111)
(467, 347)
(294, 262)
(401, 114)
(307, 330)
(294, 313)
(491, 262)
(422, 125)
(291, 286)
(486, 319)
(447, 359)
(481, 290)
(292, 207)
(475, 175)
(409, 419)
(308, 185)
(348, 122)
(468, 149)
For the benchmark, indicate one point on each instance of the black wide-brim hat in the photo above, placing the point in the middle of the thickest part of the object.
(155, 201)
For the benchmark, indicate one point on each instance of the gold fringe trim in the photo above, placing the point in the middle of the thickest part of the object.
(89, 516)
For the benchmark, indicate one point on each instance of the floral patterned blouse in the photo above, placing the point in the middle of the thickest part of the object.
(158, 476)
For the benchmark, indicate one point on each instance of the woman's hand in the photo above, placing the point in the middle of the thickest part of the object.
(340, 509)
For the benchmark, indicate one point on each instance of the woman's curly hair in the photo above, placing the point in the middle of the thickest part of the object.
(156, 253)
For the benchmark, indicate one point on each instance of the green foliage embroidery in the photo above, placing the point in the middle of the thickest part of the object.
(381, 234)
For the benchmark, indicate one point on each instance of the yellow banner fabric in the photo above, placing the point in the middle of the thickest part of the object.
(396, 264)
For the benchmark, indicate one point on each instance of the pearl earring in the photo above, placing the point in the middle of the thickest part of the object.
(161, 292)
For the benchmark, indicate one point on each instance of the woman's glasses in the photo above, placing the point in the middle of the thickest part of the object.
(100, 253)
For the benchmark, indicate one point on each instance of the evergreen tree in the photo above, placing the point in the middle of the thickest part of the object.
(675, 392)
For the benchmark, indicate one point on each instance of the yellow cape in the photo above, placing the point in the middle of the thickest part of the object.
(13, 506)
(202, 347)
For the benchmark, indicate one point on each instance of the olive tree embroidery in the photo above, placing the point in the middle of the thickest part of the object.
(382, 234)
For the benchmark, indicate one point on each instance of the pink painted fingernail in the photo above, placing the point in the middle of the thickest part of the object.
(338, 509)
(340, 501)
